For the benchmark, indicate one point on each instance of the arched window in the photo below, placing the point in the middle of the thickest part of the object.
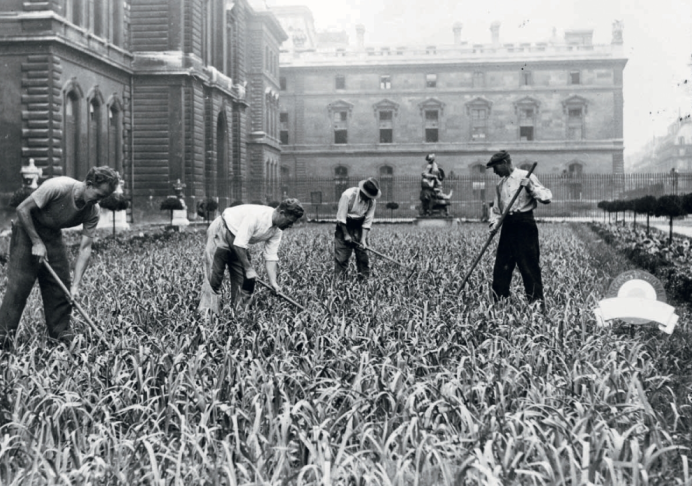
(575, 169)
(222, 172)
(285, 181)
(115, 143)
(94, 136)
(71, 158)
(387, 182)
(340, 181)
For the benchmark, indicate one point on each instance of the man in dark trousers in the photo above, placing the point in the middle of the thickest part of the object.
(228, 239)
(353, 222)
(60, 202)
(518, 245)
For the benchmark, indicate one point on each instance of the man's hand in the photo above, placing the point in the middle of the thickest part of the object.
(74, 292)
(251, 274)
(348, 240)
(526, 182)
(276, 287)
(39, 250)
(363, 244)
(493, 227)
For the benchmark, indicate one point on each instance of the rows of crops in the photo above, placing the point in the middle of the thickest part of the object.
(394, 381)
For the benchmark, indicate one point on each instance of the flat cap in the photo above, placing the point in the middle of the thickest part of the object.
(499, 157)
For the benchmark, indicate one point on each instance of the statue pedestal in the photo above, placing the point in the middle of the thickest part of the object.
(106, 220)
(180, 218)
(423, 222)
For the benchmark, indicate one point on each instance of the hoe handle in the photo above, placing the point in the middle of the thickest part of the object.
(380, 255)
(280, 294)
(75, 304)
(494, 231)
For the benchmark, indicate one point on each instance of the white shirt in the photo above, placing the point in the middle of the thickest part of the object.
(252, 223)
(507, 188)
(352, 205)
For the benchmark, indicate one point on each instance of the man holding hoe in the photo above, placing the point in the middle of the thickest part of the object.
(60, 202)
(228, 239)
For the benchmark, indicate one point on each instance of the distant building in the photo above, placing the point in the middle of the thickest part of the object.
(350, 111)
(671, 151)
(158, 89)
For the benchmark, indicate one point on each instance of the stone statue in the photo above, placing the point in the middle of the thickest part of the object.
(433, 200)
(618, 26)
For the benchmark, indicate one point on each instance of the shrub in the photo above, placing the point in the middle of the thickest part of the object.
(205, 207)
(671, 207)
(171, 203)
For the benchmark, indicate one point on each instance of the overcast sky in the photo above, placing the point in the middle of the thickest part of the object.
(657, 39)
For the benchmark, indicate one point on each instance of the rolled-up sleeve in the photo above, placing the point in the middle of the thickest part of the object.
(342, 210)
(539, 192)
(271, 247)
(370, 215)
(245, 232)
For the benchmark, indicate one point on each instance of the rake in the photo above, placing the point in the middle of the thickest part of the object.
(494, 231)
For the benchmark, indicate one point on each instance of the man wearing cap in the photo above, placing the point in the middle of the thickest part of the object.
(60, 202)
(518, 245)
(228, 239)
(353, 222)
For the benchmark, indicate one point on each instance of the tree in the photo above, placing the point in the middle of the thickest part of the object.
(671, 206)
(205, 207)
(645, 205)
(171, 203)
(115, 202)
(391, 205)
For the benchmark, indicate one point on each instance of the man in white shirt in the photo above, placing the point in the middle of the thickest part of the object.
(518, 245)
(228, 239)
(353, 222)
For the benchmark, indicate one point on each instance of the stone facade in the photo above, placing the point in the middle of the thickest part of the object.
(358, 111)
(670, 151)
(158, 89)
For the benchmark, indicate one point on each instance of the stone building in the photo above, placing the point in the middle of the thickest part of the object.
(161, 90)
(670, 151)
(351, 111)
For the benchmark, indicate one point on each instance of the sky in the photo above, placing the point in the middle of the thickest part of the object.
(657, 40)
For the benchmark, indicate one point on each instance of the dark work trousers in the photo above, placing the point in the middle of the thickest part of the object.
(342, 250)
(518, 247)
(22, 271)
(220, 253)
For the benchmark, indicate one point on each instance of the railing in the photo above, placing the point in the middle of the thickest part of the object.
(573, 195)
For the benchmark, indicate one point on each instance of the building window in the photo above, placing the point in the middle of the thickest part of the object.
(340, 181)
(283, 128)
(99, 18)
(117, 19)
(95, 133)
(479, 122)
(282, 83)
(285, 181)
(340, 81)
(527, 109)
(681, 140)
(114, 138)
(575, 123)
(431, 80)
(387, 182)
(72, 135)
(385, 124)
(341, 127)
(575, 77)
(432, 120)
(478, 79)
(385, 82)
(526, 78)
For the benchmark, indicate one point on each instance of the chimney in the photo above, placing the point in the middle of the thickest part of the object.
(360, 33)
(495, 30)
(456, 28)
